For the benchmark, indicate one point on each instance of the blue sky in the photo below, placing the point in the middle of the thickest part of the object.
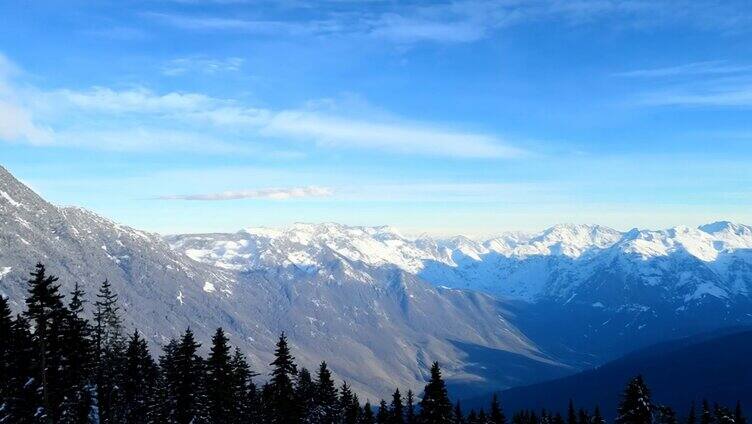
(439, 117)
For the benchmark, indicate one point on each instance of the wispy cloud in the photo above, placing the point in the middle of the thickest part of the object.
(465, 20)
(696, 84)
(729, 96)
(140, 119)
(201, 65)
(263, 193)
(695, 68)
(397, 137)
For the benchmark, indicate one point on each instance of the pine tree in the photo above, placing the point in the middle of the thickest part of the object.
(45, 311)
(397, 409)
(110, 355)
(597, 416)
(459, 417)
(282, 396)
(582, 417)
(382, 417)
(18, 386)
(220, 394)
(435, 408)
(738, 414)
(558, 419)
(77, 362)
(665, 415)
(472, 417)
(410, 417)
(571, 414)
(707, 416)
(243, 391)
(636, 406)
(723, 415)
(189, 386)
(326, 397)
(482, 418)
(496, 415)
(692, 416)
(139, 381)
(348, 405)
(367, 416)
(6, 354)
(305, 397)
(166, 398)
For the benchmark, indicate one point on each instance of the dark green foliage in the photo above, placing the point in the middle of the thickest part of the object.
(139, 381)
(305, 396)
(281, 401)
(349, 405)
(723, 415)
(219, 379)
(326, 399)
(110, 356)
(245, 398)
(582, 417)
(692, 416)
(571, 413)
(459, 417)
(665, 415)
(410, 417)
(397, 409)
(636, 406)
(597, 417)
(189, 383)
(435, 408)
(77, 365)
(45, 311)
(382, 417)
(739, 417)
(707, 415)
(367, 417)
(496, 415)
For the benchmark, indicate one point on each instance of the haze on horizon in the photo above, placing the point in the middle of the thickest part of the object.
(443, 118)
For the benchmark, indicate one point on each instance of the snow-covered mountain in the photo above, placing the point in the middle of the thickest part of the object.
(589, 293)
(561, 263)
(378, 326)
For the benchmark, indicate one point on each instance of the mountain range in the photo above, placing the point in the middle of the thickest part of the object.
(379, 307)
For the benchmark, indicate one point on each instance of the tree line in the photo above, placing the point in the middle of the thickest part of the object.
(56, 366)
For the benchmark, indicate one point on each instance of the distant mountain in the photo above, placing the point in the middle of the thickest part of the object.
(713, 367)
(378, 326)
(590, 293)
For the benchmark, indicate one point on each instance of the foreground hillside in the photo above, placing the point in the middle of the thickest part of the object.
(678, 372)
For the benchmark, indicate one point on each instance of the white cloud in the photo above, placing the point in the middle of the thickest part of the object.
(740, 96)
(16, 125)
(203, 65)
(16, 122)
(139, 119)
(137, 100)
(695, 68)
(263, 193)
(397, 137)
(468, 20)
